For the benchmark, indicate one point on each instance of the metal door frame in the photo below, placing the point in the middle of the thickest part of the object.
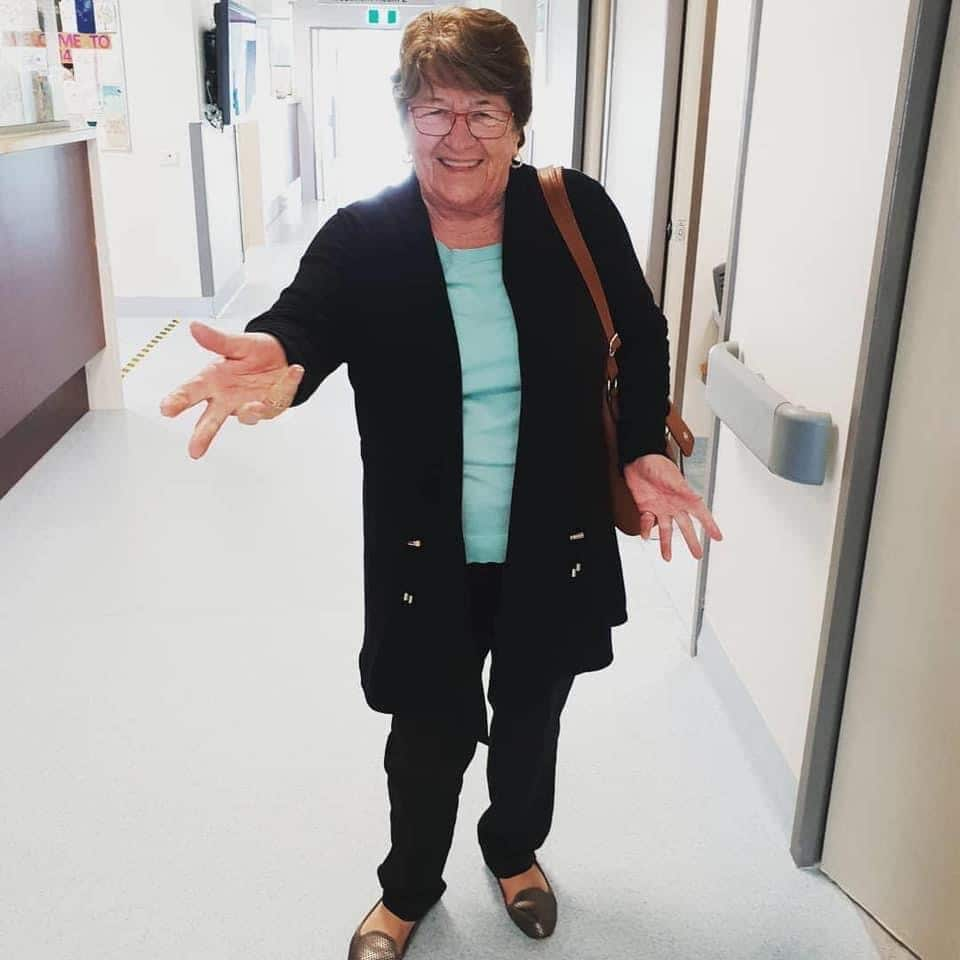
(659, 238)
(729, 288)
(580, 94)
(664, 230)
(661, 226)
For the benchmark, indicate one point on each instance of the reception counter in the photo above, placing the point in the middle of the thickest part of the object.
(58, 349)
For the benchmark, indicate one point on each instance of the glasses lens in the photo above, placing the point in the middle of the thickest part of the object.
(488, 124)
(432, 120)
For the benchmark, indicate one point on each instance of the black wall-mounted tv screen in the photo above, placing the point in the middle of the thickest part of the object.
(236, 51)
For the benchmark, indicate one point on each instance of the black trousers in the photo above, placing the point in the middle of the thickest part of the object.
(425, 760)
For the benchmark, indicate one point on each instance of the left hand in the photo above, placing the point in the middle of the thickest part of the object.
(662, 495)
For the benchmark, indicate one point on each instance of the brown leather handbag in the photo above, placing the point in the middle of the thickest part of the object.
(678, 438)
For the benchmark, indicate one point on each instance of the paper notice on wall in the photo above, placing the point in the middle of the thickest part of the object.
(106, 16)
(72, 94)
(114, 127)
(22, 38)
(88, 82)
(19, 15)
(68, 16)
(11, 94)
(111, 67)
(94, 81)
(42, 97)
(86, 21)
(83, 41)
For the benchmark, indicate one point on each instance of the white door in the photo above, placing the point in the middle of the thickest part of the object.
(324, 52)
(893, 828)
(360, 147)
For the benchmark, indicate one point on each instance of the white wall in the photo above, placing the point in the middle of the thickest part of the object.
(635, 97)
(149, 193)
(277, 152)
(826, 82)
(273, 117)
(151, 221)
(555, 87)
(727, 91)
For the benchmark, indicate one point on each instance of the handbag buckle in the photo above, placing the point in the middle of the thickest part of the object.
(610, 347)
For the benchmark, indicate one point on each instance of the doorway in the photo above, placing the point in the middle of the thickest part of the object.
(359, 146)
(881, 773)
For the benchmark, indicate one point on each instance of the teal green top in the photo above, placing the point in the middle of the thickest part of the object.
(487, 338)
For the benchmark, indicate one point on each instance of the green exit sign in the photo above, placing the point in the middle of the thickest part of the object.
(374, 20)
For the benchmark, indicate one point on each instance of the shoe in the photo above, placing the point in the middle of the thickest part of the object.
(533, 910)
(375, 944)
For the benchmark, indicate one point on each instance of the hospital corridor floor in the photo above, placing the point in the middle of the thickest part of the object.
(191, 772)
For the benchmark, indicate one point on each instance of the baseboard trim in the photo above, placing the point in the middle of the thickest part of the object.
(771, 767)
(274, 208)
(164, 306)
(181, 306)
(289, 197)
(227, 292)
(39, 431)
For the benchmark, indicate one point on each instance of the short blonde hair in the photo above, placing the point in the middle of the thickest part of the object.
(473, 49)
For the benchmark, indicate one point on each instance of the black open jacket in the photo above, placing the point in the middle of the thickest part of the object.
(370, 293)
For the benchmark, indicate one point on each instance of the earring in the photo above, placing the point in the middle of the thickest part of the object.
(516, 162)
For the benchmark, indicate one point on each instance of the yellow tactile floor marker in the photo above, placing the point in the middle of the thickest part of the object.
(134, 360)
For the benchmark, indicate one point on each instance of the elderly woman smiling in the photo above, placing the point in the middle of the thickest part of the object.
(476, 359)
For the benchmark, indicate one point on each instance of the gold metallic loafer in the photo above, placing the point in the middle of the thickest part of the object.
(377, 945)
(533, 910)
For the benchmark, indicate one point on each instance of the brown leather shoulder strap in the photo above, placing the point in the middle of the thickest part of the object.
(558, 201)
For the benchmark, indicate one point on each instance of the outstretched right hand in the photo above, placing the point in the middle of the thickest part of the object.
(252, 381)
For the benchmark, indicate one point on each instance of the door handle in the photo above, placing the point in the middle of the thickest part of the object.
(788, 439)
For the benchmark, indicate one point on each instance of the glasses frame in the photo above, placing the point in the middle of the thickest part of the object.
(466, 119)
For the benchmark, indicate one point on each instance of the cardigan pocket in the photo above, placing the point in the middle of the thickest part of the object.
(410, 582)
(577, 568)
(575, 554)
(396, 580)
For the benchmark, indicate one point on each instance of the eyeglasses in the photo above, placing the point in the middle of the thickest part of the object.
(438, 121)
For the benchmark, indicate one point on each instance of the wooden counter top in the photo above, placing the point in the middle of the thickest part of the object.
(21, 140)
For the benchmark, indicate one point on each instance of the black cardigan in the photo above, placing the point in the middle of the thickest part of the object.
(370, 293)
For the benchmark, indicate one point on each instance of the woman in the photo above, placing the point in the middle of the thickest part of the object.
(476, 360)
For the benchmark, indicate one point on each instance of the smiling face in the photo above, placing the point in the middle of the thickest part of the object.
(459, 173)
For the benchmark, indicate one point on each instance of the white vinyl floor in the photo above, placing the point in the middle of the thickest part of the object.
(190, 771)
